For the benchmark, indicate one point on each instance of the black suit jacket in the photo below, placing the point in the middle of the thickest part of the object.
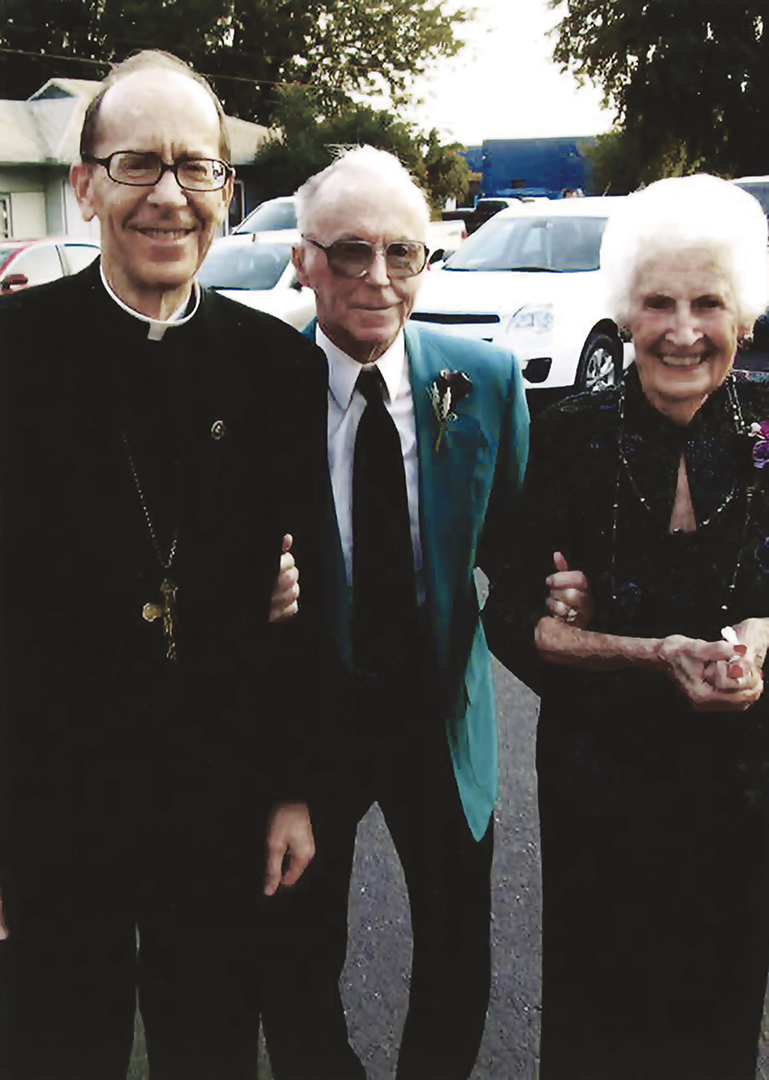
(83, 678)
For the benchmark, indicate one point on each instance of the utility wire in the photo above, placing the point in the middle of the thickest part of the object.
(108, 63)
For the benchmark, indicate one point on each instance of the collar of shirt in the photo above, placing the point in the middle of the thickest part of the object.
(343, 371)
(157, 327)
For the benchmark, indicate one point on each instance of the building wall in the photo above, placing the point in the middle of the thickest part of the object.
(22, 191)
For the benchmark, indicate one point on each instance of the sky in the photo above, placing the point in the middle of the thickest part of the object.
(504, 83)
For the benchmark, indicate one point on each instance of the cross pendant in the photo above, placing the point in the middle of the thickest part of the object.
(167, 612)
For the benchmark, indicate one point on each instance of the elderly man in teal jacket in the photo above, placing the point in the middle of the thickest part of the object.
(427, 444)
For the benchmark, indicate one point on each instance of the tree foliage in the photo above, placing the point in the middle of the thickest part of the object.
(620, 163)
(307, 144)
(689, 81)
(249, 48)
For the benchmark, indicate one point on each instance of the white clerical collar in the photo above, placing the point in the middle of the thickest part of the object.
(343, 371)
(157, 327)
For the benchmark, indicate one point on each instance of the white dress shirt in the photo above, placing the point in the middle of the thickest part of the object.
(345, 408)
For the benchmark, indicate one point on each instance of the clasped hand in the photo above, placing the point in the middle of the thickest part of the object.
(714, 675)
(284, 603)
(570, 597)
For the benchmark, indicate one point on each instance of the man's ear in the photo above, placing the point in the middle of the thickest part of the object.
(82, 179)
(297, 257)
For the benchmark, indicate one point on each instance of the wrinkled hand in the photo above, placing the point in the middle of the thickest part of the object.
(570, 598)
(289, 832)
(741, 679)
(284, 603)
(714, 675)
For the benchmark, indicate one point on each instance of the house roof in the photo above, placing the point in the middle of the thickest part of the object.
(45, 129)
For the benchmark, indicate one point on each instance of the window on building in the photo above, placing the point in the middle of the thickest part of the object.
(5, 216)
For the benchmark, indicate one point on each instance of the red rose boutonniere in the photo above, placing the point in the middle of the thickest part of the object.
(446, 392)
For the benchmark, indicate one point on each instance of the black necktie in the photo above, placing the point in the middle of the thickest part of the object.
(385, 614)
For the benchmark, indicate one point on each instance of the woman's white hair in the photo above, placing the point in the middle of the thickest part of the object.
(360, 166)
(682, 214)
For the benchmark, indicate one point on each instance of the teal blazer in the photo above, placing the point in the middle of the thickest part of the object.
(467, 491)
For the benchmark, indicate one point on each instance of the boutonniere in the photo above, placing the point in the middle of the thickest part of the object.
(446, 392)
(760, 433)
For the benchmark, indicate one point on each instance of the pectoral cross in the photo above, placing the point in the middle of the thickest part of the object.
(167, 612)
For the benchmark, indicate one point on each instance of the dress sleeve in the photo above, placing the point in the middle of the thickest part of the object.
(517, 590)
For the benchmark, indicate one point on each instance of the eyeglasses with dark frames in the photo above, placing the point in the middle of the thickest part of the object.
(144, 169)
(354, 258)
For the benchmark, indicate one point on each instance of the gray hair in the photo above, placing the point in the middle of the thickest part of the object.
(364, 165)
(689, 213)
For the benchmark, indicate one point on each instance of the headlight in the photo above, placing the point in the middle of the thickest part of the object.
(536, 317)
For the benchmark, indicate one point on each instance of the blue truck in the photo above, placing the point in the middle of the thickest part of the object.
(534, 167)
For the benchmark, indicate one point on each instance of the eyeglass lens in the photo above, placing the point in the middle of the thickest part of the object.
(195, 174)
(352, 258)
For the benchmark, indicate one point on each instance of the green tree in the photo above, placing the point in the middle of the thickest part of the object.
(448, 173)
(621, 164)
(689, 81)
(306, 142)
(249, 48)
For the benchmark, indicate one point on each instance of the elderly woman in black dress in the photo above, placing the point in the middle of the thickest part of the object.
(653, 741)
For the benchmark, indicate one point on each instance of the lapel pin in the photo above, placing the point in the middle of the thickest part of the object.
(218, 429)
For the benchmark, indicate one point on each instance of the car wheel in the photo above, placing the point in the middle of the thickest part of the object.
(600, 364)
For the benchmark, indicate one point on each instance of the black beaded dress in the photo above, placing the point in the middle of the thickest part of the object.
(654, 818)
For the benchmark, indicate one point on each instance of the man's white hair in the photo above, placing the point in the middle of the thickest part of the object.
(361, 166)
(683, 214)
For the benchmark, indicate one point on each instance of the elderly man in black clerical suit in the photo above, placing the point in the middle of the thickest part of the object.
(152, 716)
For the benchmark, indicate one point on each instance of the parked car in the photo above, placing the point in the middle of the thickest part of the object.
(256, 270)
(443, 237)
(758, 187)
(33, 262)
(274, 214)
(475, 216)
(529, 281)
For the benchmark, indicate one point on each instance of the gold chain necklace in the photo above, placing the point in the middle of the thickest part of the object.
(166, 609)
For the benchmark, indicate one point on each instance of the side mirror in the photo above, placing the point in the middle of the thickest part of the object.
(14, 281)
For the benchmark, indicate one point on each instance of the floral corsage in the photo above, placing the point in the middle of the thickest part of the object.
(446, 392)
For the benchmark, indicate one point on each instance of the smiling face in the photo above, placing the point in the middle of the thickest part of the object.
(362, 316)
(153, 238)
(685, 328)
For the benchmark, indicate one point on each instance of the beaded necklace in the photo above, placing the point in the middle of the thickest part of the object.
(623, 465)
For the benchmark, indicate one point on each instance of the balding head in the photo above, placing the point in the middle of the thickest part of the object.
(149, 59)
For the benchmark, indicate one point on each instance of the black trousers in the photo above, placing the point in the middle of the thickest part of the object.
(448, 875)
(155, 837)
(72, 995)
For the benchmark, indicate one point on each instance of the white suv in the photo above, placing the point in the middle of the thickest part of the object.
(529, 281)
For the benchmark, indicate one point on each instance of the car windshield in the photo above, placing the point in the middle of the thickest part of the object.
(246, 266)
(276, 214)
(557, 244)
